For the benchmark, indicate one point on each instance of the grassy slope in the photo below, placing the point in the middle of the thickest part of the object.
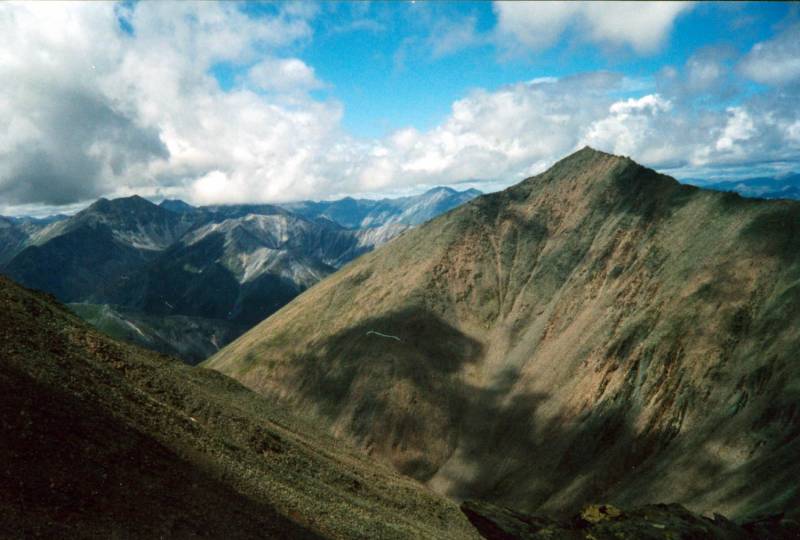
(103, 439)
(193, 339)
(597, 332)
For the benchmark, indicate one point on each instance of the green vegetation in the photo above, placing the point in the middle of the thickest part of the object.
(193, 339)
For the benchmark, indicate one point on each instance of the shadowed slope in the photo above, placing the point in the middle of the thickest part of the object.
(101, 439)
(606, 522)
(629, 339)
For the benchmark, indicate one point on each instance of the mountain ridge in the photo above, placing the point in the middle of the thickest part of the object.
(600, 316)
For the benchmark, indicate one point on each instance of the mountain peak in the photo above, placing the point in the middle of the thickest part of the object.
(440, 189)
(176, 205)
(133, 203)
(587, 154)
(582, 297)
(590, 167)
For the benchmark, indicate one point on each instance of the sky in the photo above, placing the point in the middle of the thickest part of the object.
(269, 102)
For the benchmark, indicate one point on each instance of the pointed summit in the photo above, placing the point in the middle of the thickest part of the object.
(593, 320)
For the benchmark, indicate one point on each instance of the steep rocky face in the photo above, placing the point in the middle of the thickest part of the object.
(12, 239)
(597, 332)
(232, 265)
(192, 339)
(133, 221)
(16, 233)
(243, 268)
(106, 440)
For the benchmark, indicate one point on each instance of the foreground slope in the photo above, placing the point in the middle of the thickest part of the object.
(105, 440)
(597, 332)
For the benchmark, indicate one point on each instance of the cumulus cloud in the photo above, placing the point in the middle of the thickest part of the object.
(776, 61)
(628, 123)
(449, 35)
(103, 107)
(63, 139)
(283, 75)
(642, 26)
(519, 130)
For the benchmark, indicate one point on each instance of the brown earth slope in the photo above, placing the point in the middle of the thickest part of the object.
(598, 332)
(104, 440)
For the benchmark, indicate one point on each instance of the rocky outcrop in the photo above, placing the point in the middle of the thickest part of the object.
(607, 522)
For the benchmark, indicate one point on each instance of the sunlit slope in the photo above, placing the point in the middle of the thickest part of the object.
(106, 440)
(597, 332)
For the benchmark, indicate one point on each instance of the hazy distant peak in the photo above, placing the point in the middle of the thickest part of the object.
(441, 189)
(176, 205)
(133, 202)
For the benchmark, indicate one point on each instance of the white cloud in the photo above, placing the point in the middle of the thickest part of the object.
(500, 137)
(61, 137)
(97, 111)
(283, 75)
(450, 35)
(740, 127)
(641, 25)
(534, 24)
(776, 61)
(630, 123)
(703, 74)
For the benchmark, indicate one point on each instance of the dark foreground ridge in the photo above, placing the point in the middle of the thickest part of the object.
(99, 439)
(606, 522)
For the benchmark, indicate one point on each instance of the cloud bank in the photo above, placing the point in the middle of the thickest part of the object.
(643, 26)
(113, 99)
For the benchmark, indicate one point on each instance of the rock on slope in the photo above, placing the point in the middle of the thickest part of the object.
(106, 440)
(17, 232)
(598, 332)
(12, 239)
(606, 522)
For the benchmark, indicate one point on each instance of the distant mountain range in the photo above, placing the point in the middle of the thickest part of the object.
(364, 213)
(774, 187)
(211, 271)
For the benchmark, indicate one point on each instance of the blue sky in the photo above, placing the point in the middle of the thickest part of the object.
(387, 77)
(241, 102)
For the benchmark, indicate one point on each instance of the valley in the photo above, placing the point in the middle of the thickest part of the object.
(190, 279)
